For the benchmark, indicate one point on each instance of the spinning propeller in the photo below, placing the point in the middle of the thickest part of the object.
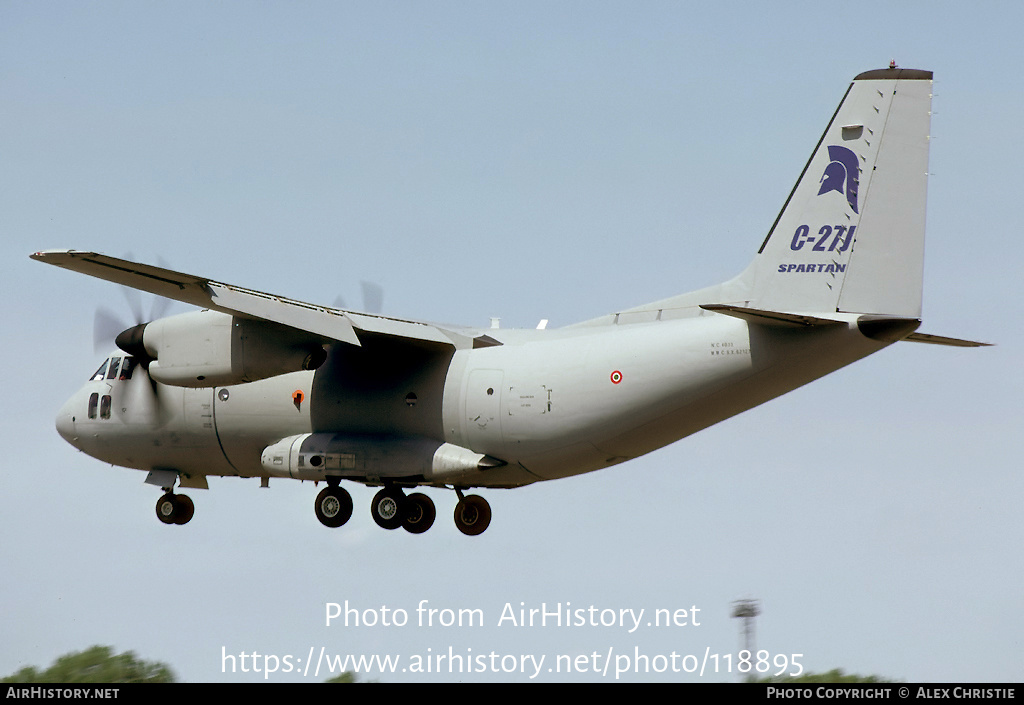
(108, 327)
(111, 328)
(373, 298)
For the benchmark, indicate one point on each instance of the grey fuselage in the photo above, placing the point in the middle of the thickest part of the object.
(545, 403)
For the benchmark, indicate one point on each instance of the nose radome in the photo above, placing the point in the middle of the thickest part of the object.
(66, 421)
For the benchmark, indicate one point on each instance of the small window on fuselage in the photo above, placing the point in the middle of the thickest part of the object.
(105, 407)
(94, 400)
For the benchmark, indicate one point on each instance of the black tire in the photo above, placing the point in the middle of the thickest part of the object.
(167, 508)
(472, 515)
(419, 513)
(333, 507)
(388, 507)
(185, 510)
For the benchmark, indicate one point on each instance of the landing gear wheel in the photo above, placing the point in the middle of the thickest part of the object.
(419, 513)
(166, 508)
(185, 509)
(472, 515)
(333, 507)
(387, 508)
(175, 508)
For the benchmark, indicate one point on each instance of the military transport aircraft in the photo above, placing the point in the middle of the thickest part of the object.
(257, 385)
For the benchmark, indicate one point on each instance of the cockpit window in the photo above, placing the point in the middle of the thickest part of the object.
(100, 373)
(112, 371)
(127, 367)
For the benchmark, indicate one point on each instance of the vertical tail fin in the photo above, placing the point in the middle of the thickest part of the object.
(850, 237)
(851, 234)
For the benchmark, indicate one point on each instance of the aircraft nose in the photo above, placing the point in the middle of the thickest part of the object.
(66, 422)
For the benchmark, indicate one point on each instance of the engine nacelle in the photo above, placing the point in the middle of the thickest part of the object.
(213, 349)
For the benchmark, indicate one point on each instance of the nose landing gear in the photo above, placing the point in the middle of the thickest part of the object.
(175, 508)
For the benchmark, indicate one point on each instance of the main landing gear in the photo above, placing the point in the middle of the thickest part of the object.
(392, 508)
(175, 508)
(472, 514)
(333, 506)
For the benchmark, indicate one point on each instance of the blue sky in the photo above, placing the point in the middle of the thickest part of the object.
(528, 161)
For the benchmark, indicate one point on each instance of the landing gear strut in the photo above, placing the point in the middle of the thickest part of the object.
(175, 508)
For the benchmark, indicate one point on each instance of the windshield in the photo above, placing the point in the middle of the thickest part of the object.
(109, 369)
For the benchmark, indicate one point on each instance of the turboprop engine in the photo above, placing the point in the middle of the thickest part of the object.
(212, 349)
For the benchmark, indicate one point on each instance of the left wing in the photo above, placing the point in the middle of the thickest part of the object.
(328, 323)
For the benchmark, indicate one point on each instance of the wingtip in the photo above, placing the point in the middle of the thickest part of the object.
(44, 255)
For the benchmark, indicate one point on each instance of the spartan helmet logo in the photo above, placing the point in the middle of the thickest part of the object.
(842, 174)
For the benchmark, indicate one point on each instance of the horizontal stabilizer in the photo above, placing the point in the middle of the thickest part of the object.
(939, 340)
(771, 318)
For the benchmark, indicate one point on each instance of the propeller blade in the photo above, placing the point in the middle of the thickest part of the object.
(159, 307)
(106, 326)
(373, 297)
(160, 304)
(134, 299)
